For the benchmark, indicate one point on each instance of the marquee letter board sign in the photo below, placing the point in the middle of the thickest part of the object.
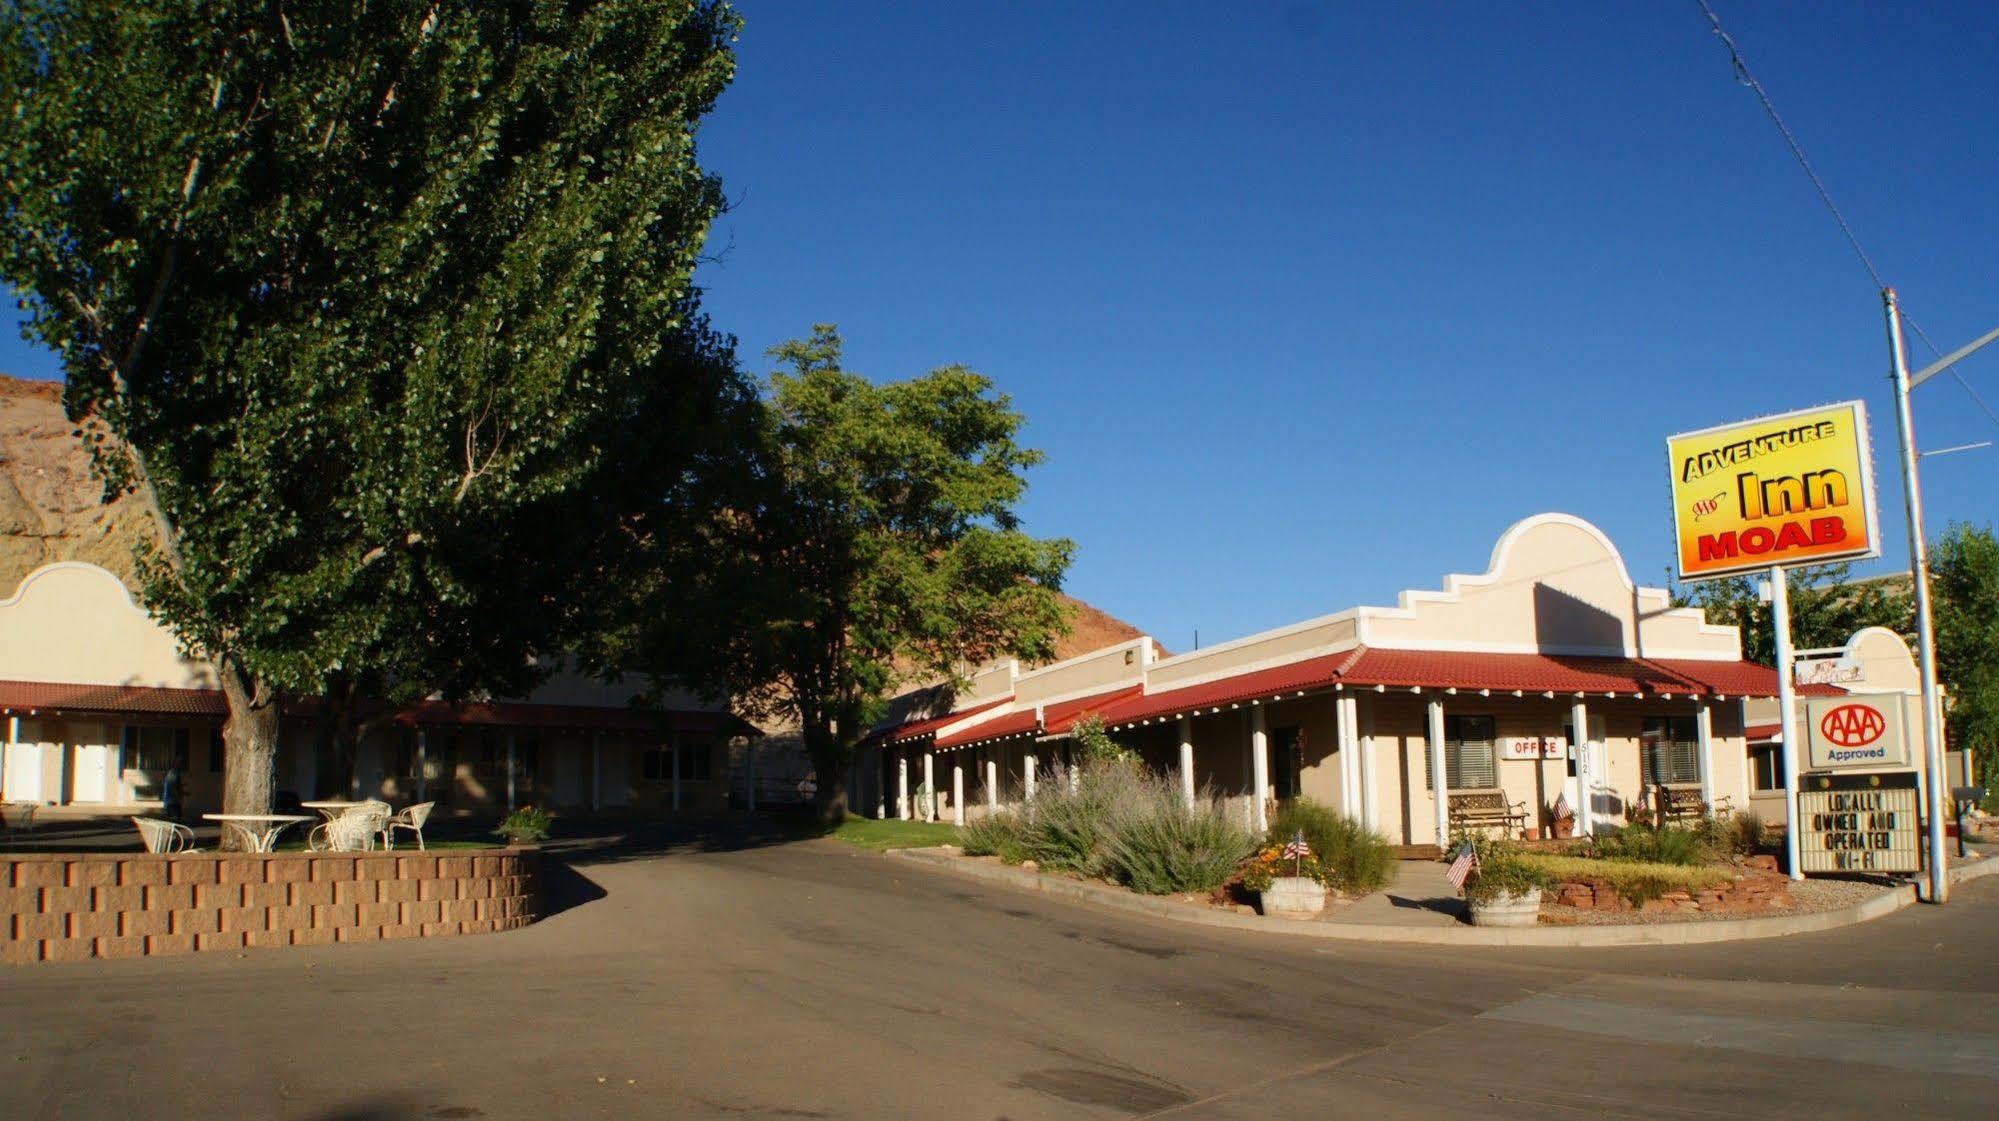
(1859, 823)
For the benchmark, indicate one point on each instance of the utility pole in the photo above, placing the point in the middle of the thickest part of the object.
(1787, 702)
(1937, 793)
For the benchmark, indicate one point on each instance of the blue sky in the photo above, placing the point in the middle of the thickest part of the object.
(1307, 302)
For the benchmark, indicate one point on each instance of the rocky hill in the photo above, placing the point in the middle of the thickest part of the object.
(51, 508)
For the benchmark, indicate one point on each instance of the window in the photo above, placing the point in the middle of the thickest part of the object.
(490, 761)
(696, 761)
(657, 764)
(1670, 752)
(1287, 760)
(147, 748)
(1468, 755)
(1766, 767)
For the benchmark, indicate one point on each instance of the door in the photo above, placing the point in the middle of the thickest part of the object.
(1607, 811)
(92, 767)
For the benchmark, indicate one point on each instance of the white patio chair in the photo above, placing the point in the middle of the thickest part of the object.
(163, 837)
(411, 819)
(357, 828)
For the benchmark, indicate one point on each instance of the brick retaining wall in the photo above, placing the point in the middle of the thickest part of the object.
(69, 906)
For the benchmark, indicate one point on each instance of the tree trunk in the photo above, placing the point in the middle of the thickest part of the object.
(250, 747)
(831, 758)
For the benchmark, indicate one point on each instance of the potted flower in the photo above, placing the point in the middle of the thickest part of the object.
(526, 826)
(1562, 817)
(1500, 887)
(1287, 880)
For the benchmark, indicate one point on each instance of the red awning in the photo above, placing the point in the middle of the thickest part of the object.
(145, 700)
(137, 700)
(914, 729)
(1052, 719)
(1763, 733)
(1444, 669)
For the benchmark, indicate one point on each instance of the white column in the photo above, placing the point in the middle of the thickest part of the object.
(930, 785)
(1343, 746)
(673, 755)
(750, 771)
(1579, 727)
(992, 780)
(422, 764)
(14, 737)
(958, 787)
(1440, 793)
(510, 772)
(1364, 729)
(1704, 742)
(596, 771)
(1187, 759)
(1027, 775)
(902, 784)
(1259, 767)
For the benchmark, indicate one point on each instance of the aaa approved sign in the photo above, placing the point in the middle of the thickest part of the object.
(1797, 488)
(1843, 733)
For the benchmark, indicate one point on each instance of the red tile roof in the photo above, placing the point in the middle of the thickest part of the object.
(1053, 718)
(136, 699)
(1759, 733)
(914, 729)
(144, 700)
(1430, 669)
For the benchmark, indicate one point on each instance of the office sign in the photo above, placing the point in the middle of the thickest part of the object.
(1533, 747)
(1855, 731)
(1859, 823)
(1797, 488)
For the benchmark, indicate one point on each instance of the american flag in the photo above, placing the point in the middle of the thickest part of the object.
(1297, 849)
(1462, 867)
(1562, 809)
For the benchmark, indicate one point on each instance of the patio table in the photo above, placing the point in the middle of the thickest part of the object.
(331, 807)
(260, 830)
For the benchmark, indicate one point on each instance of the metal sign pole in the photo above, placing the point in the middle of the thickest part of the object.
(1787, 700)
(1935, 792)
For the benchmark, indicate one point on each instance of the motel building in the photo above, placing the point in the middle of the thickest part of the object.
(1550, 674)
(97, 698)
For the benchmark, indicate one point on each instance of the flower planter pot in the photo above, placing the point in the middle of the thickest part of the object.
(1293, 897)
(1508, 910)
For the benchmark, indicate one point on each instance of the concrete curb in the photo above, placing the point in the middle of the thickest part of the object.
(1649, 934)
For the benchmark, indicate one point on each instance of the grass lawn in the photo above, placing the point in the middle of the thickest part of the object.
(1632, 879)
(882, 835)
(429, 846)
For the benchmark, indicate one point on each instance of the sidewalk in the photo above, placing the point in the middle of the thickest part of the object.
(1418, 895)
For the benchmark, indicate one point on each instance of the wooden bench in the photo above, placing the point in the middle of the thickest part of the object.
(1684, 803)
(1486, 809)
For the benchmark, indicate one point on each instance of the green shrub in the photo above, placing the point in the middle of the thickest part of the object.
(996, 834)
(526, 825)
(1354, 859)
(1651, 844)
(1164, 846)
(1733, 834)
(1502, 870)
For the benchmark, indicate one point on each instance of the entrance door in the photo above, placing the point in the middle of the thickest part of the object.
(90, 776)
(1602, 800)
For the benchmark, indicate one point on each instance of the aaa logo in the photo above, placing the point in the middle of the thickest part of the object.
(1853, 725)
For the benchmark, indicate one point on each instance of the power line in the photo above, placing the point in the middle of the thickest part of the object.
(1744, 77)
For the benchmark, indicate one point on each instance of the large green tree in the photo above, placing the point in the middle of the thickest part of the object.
(1827, 606)
(870, 540)
(1964, 584)
(370, 305)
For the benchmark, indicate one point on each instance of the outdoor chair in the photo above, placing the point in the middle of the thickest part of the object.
(355, 830)
(18, 817)
(162, 837)
(411, 819)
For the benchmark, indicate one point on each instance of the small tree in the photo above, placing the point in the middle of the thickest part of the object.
(870, 540)
(1964, 581)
